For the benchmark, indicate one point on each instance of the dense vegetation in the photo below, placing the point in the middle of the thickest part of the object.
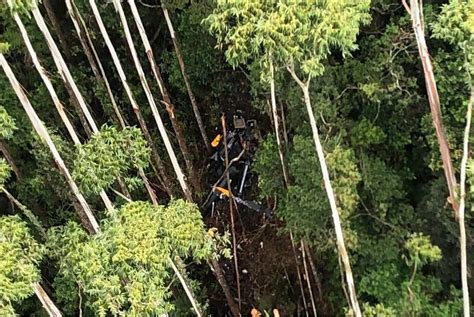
(107, 110)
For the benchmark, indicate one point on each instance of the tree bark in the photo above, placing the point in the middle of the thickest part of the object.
(62, 67)
(462, 205)
(433, 98)
(192, 98)
(166, 98)
(85, 213)
(216, 268)
(187, 289)
(57, 28)
(48, 304)
(298, 272)
(276, 124)
(92, 57)
(59, 107)
(151, 101)
(158, 164)
(341, 247)
(308, 280)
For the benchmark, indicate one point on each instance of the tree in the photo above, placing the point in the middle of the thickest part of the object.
(125, 270)
(52, 92)
(85, 213)
(182, 67)
(456, 26)
(135, 106)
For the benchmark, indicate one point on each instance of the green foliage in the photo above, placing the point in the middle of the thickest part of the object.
(125, 268)
(304, 205)
(109, 154)
(421, 251)
(455, 25)
(7, 124)
(21, 255)
(378, 311)
(304, 31)
(5, 171)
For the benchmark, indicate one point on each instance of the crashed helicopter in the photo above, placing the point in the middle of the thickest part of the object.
(241, 140)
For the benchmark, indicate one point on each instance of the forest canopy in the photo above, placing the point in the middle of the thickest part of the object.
(236, 158)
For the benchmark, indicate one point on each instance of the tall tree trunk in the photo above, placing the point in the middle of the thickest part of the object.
(300, 281)
(231, 209)
(151, 101)
(462, 205)
(166, 98)
(62, 67)
(314, 272)
(433, 98)
(308, 280)
(9, 158)
(85, 213)
(48, 304)
(197, 114)
(92, 56)
(187, 289)
(158, 164)
(276, 124)
(416, 14)
(216, 268)
(57, 28)
(59, 107)
(341, 247)
(101, 77)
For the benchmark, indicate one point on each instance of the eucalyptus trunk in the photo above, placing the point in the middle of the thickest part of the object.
(187, 83)
(462, 206)
(48, 304)
(62, 67)
(85, 213)
(151, 101)
(166, 97)
(433, 98)
(92, 56)
(57, 103)
(136, 109)
(341, 246)
(277, 125)
(457, 203)
(57, 28)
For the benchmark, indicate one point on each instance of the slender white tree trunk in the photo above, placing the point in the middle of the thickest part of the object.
(335, 213)
(193, 178)
(433, 98)
(192, 98)
(462, 206)
(151, 101)
(135, 107)
(341, 247)
(276, 124)
(85, 213)
(93, 57)
(62, 66)
(308, 280)
(46, 301)
(186, 288)
(59, 107)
